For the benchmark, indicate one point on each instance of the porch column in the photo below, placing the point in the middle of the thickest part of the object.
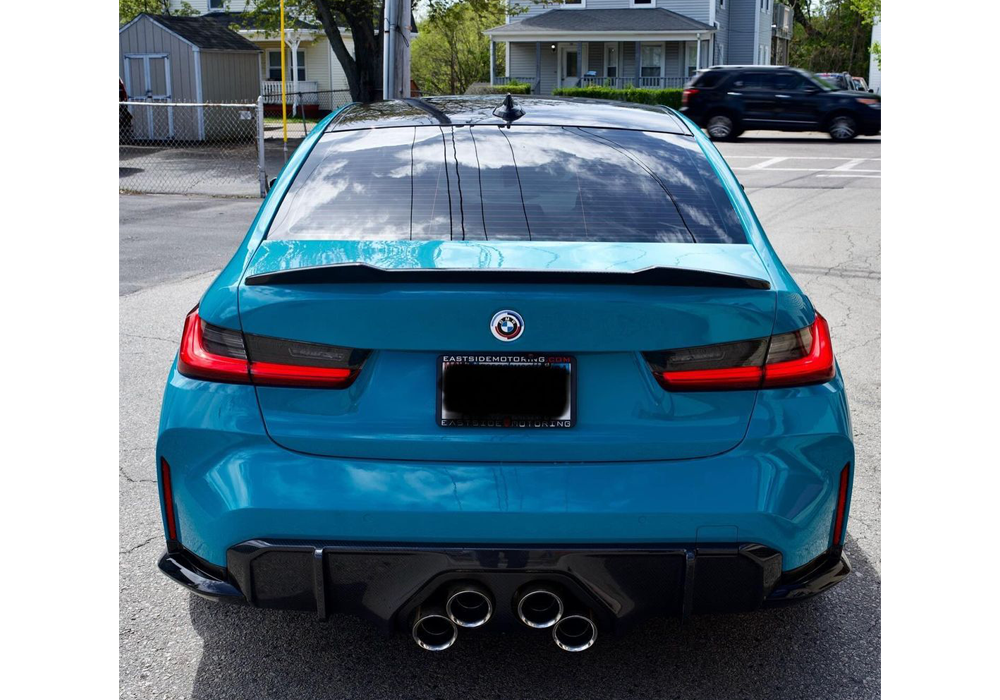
(493, 61)
(620, 68)
(579, 63)
(697, 53)
(538, 67)
(638, 62)
(294, 46)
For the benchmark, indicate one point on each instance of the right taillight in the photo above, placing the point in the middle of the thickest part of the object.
(798, 358)
(222, 355)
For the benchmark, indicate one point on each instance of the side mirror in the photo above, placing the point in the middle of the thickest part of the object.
(270, 183)
(810, 89)
(871, 91)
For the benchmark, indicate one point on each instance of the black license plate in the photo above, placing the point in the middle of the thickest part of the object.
(491, 390)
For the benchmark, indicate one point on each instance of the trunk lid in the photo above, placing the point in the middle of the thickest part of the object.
(622, 414)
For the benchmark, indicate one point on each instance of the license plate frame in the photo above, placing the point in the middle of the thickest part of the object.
(509, 362)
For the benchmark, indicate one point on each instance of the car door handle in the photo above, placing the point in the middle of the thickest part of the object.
(783, 96)
(735, 94)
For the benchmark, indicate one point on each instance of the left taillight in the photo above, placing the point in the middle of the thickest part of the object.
(222, 355)
(687, 94)
(791, 359)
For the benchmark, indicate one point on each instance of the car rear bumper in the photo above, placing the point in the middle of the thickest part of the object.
(620, 586)
(231, 484)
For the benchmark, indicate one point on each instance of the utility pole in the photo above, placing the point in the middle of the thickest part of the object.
(396, 50)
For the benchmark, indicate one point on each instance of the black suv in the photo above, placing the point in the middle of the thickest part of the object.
(727, 100)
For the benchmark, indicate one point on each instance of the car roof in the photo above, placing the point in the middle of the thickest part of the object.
(737, 66)
(468, 110)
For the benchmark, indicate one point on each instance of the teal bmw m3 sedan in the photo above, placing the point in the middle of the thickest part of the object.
(482, 365)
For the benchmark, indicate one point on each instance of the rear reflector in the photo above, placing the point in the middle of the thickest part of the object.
(168, 500)
(838, 520)
(222, 355)
(798, 358)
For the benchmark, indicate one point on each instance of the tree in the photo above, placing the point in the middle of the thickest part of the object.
(128, 10)
(363, 18)
(451, 52)
(830, 35)
(871, 10)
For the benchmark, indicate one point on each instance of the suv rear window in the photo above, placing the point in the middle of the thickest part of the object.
(528, 183)
(708, 79)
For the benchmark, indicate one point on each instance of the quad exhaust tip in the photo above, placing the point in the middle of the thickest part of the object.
(575, 632)
(433, 630)
(540, 607)
(469, 605)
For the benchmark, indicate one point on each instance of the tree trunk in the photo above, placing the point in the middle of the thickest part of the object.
(364, 70)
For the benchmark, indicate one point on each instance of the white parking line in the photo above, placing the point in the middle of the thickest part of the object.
(847, 166)
(804, 170)
(805, 157)
(766, 163)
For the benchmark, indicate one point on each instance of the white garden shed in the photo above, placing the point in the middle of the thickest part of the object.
(191, 60)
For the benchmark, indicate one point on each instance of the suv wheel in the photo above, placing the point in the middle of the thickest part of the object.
(721, 127)
(843, 128)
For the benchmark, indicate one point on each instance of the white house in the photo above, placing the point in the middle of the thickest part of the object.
(619, 43)
(311, 67)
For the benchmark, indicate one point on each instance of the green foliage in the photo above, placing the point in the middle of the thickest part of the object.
(833, 35)
(513, 87)
(450, 52)
(128, 10)
(670, 97)
(871, 10)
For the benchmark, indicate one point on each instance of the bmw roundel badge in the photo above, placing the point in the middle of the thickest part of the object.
(507, 325)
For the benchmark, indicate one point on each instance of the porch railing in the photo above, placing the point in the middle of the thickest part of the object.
(631, 81)
(305, 90)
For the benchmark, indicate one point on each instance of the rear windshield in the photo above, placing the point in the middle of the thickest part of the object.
(528, 183)
(708, 79)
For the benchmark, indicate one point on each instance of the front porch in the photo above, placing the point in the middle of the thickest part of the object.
(650, 48)
(616, 64)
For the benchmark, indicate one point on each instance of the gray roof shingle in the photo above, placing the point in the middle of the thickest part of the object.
(621, 20)
(246, 20)
(205, 33)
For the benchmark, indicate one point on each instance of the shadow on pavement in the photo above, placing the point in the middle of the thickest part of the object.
(828, 647)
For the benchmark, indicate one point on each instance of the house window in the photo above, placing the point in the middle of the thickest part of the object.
(216, 4)
(574, 3)
(642, 3)
(611, 60)
(274, 64)
(652, 60)
(691, 58)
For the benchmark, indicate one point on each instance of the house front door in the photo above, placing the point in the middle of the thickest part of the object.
(569, 66)
(147, 79)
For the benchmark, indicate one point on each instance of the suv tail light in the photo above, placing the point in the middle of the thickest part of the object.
(686, 94)
(223, 355)
(798, 358)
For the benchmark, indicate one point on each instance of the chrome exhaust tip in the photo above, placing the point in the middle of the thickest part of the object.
(432, 630)
(469, 605)
(575, 632)
(540, 607)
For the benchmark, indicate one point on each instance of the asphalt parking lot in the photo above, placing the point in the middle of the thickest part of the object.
(820, 204)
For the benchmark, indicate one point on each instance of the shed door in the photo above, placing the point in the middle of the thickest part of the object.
(148, 80)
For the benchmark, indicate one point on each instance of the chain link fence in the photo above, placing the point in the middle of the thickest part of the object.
(183, 148)
(303, 109)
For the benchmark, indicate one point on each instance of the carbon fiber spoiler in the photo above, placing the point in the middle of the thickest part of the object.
(363, 273)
